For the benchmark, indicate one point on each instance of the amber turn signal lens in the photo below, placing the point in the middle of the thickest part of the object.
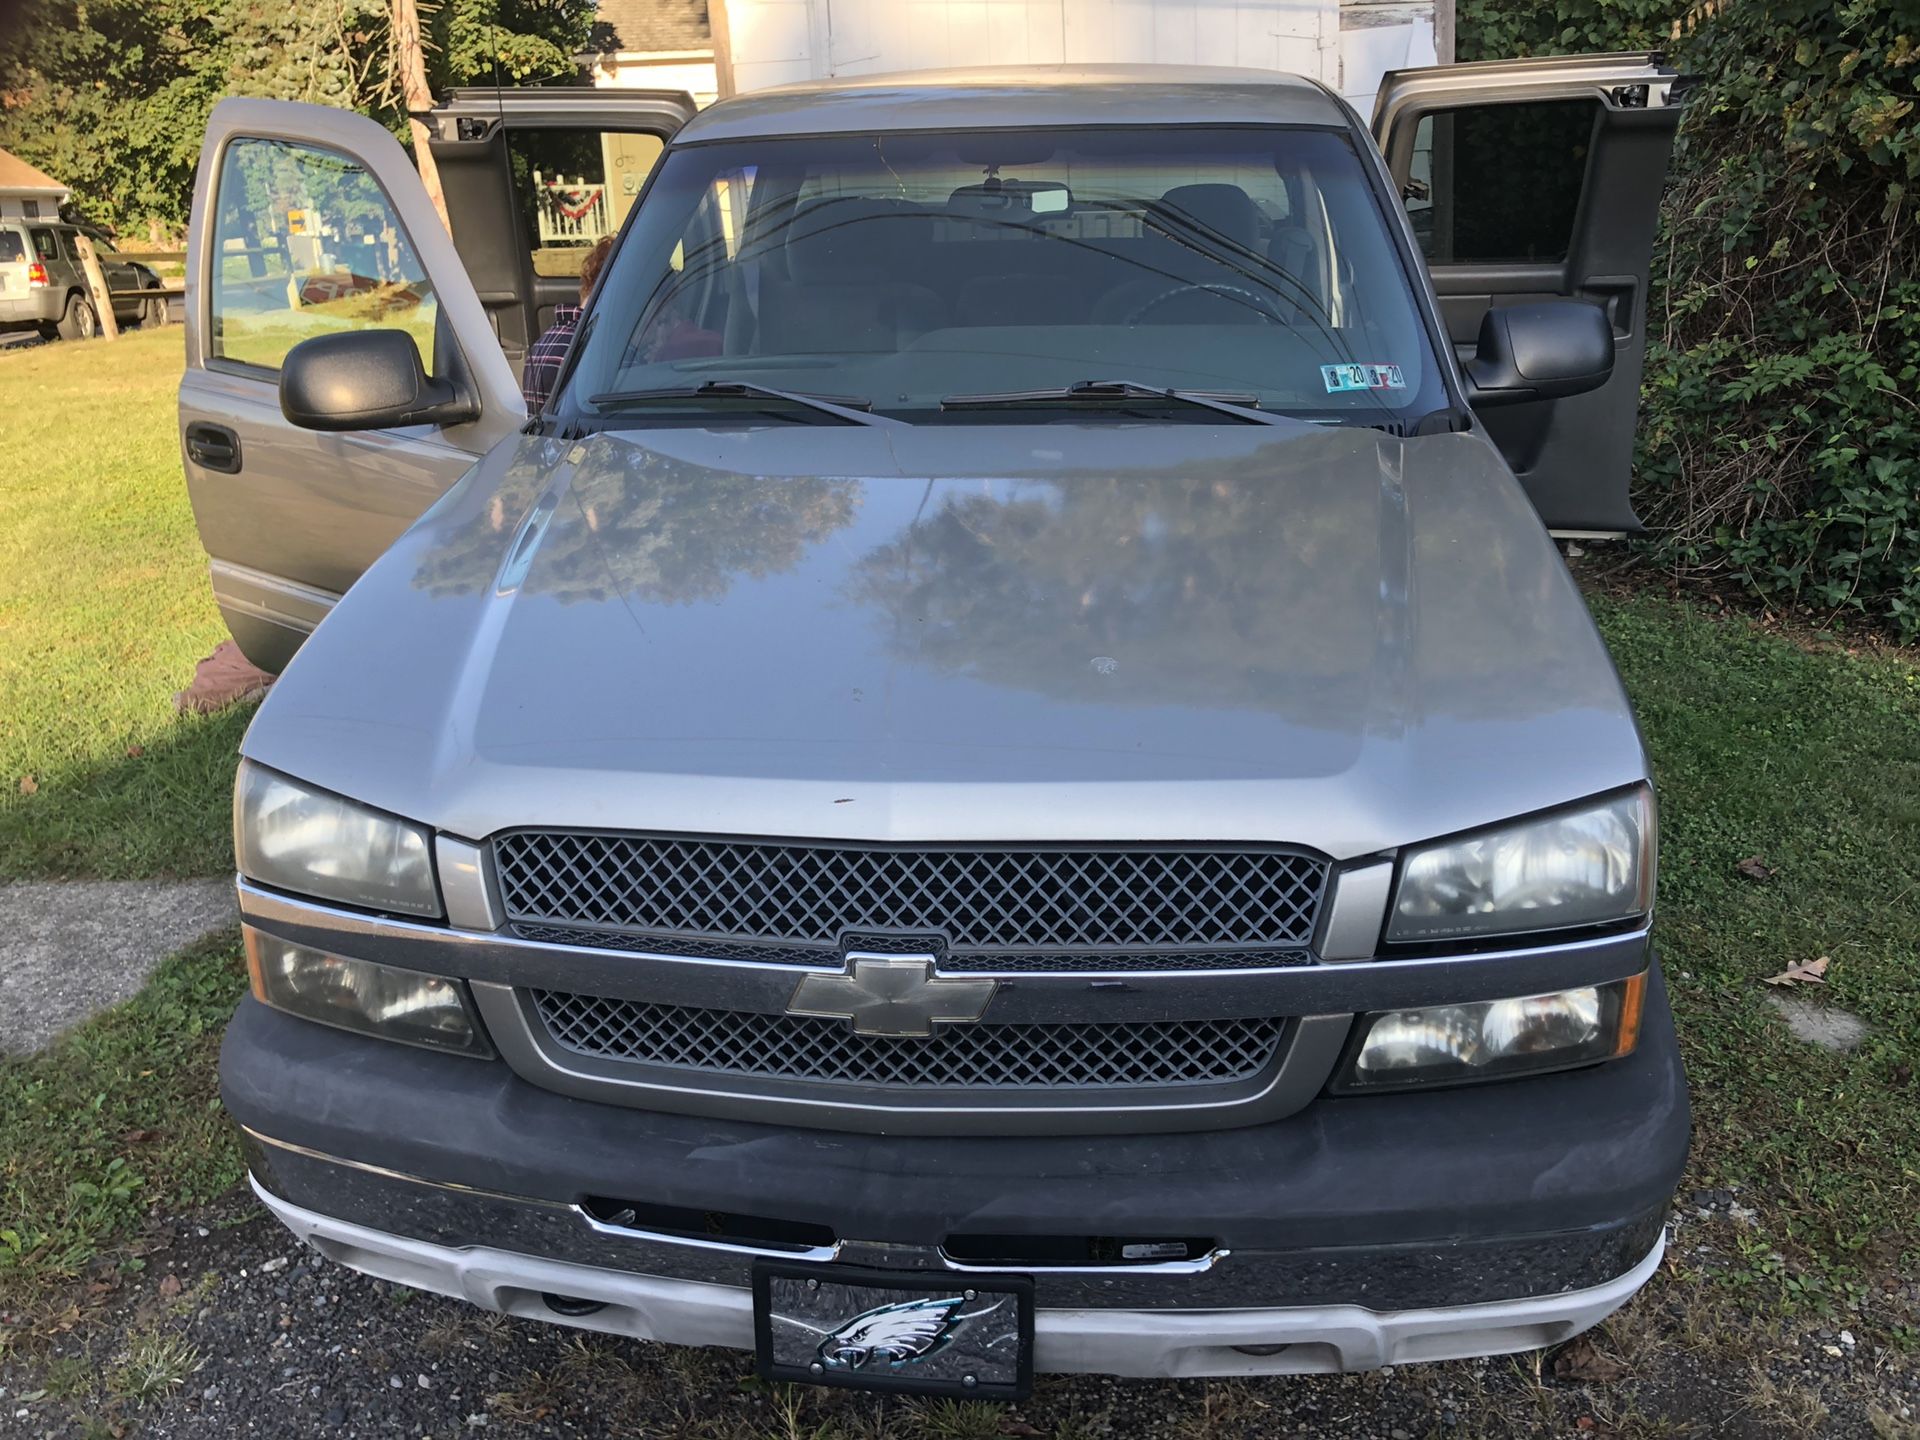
(1632, 996)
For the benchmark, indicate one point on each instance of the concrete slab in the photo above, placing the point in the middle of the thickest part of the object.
(69, 949)
(1827, 1026)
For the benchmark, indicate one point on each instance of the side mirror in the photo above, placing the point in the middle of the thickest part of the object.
(1542, 351)
(367, 380)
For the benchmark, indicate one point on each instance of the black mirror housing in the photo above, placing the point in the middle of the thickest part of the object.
(1545, 350)
(367, 380)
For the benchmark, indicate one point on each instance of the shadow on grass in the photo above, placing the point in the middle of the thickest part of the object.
(118, 1118)
(161, 809)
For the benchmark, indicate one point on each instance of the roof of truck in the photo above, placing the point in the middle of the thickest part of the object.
(1017, 96)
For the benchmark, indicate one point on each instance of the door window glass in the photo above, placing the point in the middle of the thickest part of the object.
(306, 243)
(44, 246)
(574, 186)
(1499, 184)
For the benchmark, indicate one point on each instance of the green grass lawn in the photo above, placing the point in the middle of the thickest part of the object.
(1809, 760)
(1805, 756)
(104, 609)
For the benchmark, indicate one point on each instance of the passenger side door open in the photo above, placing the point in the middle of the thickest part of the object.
(309, 221)
(1530, 180)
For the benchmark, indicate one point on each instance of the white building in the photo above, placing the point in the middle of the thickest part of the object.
(654, 45)
(726, 46)
(27, 193)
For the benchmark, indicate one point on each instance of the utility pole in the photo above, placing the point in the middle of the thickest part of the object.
(97, 283)
(410, 71)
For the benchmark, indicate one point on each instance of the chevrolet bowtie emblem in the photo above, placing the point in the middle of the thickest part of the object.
(892, 995)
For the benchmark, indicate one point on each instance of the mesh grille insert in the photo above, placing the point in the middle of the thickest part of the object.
(1043, 900)
(1126, 1055)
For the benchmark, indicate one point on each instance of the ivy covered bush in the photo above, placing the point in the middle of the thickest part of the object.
(1780, 433)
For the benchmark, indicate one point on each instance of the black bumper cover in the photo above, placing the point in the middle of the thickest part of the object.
(1449, 1196)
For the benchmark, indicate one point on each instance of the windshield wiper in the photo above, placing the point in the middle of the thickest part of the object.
(1106, 392)
(841, 407)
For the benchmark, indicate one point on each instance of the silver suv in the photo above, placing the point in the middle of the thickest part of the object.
(1008, 777)
(43, 286)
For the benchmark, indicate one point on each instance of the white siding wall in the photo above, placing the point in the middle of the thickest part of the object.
(1346, 45)
(652, 72)
(14, 206)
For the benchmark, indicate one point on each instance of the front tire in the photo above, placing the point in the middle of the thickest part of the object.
(80, 322)
(153, 313)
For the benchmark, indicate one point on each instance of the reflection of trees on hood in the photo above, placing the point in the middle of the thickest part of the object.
(638, 523)
(1287, 579)
(1107, 587)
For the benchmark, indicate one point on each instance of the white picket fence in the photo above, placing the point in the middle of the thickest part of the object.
(570, 211)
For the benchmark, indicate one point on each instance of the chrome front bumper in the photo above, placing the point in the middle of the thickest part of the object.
(1211, 1316)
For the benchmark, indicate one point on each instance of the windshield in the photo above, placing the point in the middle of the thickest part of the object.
(901, 271)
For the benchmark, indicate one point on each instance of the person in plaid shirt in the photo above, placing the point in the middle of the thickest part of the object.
(547, 353)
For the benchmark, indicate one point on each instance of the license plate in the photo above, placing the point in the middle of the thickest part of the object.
(919, 1334)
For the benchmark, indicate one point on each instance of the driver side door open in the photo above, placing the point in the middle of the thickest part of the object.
(310, 221)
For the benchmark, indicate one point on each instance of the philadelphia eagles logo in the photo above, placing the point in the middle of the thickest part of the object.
(894, 1335)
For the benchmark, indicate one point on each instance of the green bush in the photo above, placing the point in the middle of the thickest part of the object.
(1780, 440)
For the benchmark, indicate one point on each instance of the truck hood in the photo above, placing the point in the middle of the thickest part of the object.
(1324, 636)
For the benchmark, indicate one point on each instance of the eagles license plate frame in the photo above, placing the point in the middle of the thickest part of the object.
(797, 1308)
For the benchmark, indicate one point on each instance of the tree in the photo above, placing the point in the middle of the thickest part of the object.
(513, 42)
(113, 96)
(410, 79)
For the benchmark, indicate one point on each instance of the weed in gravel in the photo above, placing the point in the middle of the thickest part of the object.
(535, 1396)
(68, 1377)
(956, 1420)
(1078, 1426)
(1798, 1406)
(1227, 1407)
(153, 1363)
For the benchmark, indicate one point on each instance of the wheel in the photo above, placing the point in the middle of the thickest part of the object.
(79, 323)
(153, 313)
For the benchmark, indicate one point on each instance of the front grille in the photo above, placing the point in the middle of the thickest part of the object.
(962, 961)
(1108, 1056)
(1059, 906)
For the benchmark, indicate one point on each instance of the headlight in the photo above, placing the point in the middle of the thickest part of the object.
(313, 843)
(381, 1000)
(1491, 1039)
(1576, 867)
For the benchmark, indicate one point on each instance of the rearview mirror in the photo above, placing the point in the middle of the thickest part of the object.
(1540, 351)
(367, 380)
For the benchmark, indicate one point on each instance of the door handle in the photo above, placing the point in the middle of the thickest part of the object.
(213, 447)
(1617, 295)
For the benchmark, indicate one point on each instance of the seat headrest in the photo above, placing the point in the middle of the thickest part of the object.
(853, 239)
(1210, 212)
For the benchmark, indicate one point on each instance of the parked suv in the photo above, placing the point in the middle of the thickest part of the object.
(44, 287)
(1007, 778)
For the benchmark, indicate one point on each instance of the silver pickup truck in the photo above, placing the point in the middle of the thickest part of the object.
(1007, 776)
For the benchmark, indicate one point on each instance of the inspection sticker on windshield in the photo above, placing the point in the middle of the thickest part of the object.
(1341, 378)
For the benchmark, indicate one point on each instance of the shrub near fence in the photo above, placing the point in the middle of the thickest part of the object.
(1780, 440)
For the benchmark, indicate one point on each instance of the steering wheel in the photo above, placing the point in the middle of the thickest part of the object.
(1261, 305)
